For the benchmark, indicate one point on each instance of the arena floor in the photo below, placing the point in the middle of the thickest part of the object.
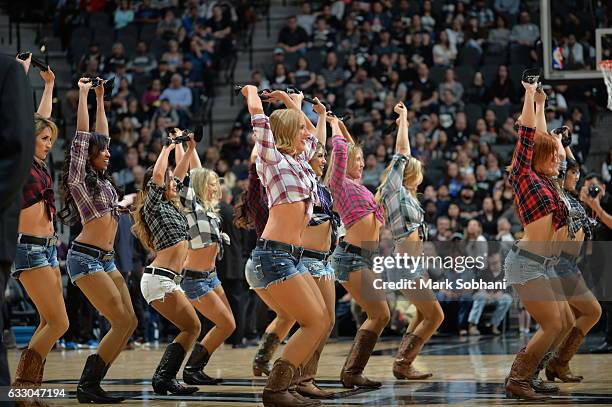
(467, 371)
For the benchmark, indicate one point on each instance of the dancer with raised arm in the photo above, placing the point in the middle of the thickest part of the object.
(36, 265)
(284, 146)
(405, 217)
(352, 259)
(530, 262)
(90, 197)
(161, 227)
(200, 192)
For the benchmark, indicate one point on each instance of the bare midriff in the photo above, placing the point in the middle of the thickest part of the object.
(412, 245)
(34, 221)
(539, 237)
(365, 230)
(99, 232)
(172, 258)
(202, 259)
(317, 237)
(567, 245)
(286, 223)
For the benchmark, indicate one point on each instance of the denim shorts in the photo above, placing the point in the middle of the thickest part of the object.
(344, 263)
(520, 269)
(566, 268)
(397, 274)
(316, 268)
(196, 288)
(32, 256)
(80, 265)
(155, 287)
(270, 267)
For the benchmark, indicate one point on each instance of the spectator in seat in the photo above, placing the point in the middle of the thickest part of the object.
(146, 14)
(332, 17)
(93, 54)
(501, 92)
(378, 17)
(167, 114)
(151, 96)
(573, 53)
(555, 99)
(509, 9)
(280, 78)
(482, 13)
(191, 19)
(499, 37)
(426, 86)
(475, 35)
(124, 14)
(162, 73)
(178, 95)
(525, 33)
(303, 78)
(221, 28)
(306, 18)
(144, 62)
(293, 38)
(193, 81)
(500, 298)
(323, 37)
(504, 235)
(173, 56)
(116, 58)
(449, 82)
(477, 92)
(168, 27)
(582, 129)
(449, 108)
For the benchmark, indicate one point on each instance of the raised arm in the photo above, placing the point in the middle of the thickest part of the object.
(253, 101)
(540, 101)
(46, 102)
(101, 120)
(161, 165)
(523, 154)
(402, 143)
(183, 159)
(82, 112)
(321, 129)
(340, 156)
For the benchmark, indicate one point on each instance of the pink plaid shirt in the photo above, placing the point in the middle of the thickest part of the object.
(352, 200)
(285, 178)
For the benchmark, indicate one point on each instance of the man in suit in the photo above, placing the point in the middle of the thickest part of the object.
(16, 156)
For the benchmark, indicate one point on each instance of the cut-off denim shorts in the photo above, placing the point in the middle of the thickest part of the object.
(344, 263)
(566, 268)
(33, 256)
(270, 267)
(80, 265)
(397, 274)
(155, 287)
(520, 269)
(198, 287)
(316, 268)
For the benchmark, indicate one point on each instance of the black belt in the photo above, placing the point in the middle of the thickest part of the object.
(198, 275)
(97, 254)
(315, 254)
(156, 271)
(39, 241)
(570, 257)
(351, 248)
(543, 260)
(295, 251)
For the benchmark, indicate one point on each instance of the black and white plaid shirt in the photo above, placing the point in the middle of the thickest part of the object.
(166, 222)
(204, 227)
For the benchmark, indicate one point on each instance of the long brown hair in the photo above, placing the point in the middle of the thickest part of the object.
(141, 229)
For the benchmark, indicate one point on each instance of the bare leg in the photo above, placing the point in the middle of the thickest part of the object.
(377, 310)
(215, 307)
(127, 303)
(176, 308)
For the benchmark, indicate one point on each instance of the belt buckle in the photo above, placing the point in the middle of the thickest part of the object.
(177, 279)
(52, 241)
(108, 256)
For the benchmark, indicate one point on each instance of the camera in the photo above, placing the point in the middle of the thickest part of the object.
(564, 132)
(108, 86)
(34, 61)
(594, 191)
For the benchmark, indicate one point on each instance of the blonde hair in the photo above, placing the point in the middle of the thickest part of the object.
(285, 124)
(199, 179)
(413, 174)
(353, 151)
(41, 123)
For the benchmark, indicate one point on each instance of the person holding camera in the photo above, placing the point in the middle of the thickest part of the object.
(594, 195)
(36, 265)
(91, 198)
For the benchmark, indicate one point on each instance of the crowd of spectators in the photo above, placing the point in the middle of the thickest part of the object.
(454, 64)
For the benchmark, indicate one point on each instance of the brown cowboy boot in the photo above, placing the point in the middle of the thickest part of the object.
(518, 383)
(28, 370)
(306, 384)
(41, 373)
(408, 350)
(267, 347)
(558, 366)
(352, 371)
(277, 394)
(538, 385)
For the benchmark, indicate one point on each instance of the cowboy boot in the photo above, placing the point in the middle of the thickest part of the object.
(41, 373)
(408, 350)
(558, 366)
(164, 380)
(518, 383)
(26, 376)
(261, 362)
(306, 385)
(88, 389)
(277, 394)
(193, 372)
(352, 371)
(539, 385)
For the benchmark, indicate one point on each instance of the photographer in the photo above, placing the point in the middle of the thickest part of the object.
(593, 195)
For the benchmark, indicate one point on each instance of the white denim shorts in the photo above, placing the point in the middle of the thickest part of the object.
(154, 287)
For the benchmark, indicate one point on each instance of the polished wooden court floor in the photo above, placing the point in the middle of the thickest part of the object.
(467, 371)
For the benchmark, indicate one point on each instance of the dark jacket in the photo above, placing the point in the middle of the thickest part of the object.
(16, 149)
(231, 266)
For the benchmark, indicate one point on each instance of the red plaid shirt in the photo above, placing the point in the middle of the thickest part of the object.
(39, 186)
(352, 200)
(256, 208)
(286, 179)
(535, 196)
